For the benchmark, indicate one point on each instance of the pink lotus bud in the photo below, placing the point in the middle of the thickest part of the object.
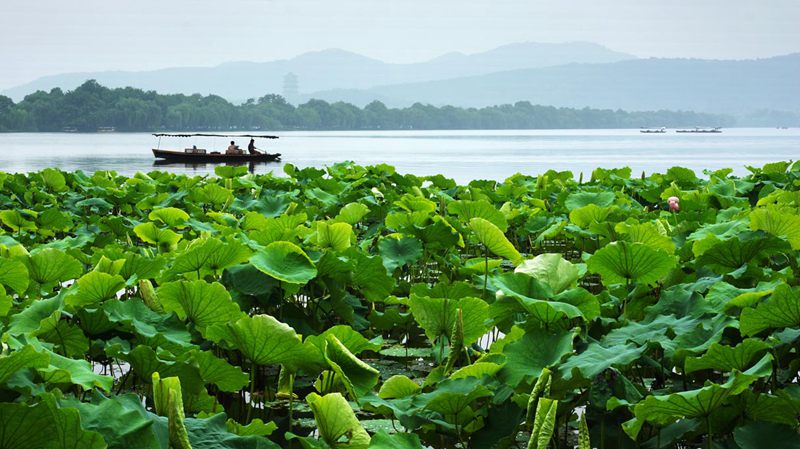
(674, 203)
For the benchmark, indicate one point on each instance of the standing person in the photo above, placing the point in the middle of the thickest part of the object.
(251, 148)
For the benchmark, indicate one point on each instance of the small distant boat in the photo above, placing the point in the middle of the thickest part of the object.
(195, 154)
(700, 130)
(661, 130)
(106, 129)
(69, 129)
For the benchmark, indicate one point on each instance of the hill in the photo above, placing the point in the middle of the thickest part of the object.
(329, 69)
(717, 86)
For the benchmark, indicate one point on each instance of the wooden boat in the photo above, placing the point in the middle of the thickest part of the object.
(199, 155)
(214, 156)
(700, 130)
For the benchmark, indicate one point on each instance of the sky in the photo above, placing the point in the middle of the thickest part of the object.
(46, 37)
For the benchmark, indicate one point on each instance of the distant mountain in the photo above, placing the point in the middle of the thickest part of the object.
(329, 69)
(731, 87)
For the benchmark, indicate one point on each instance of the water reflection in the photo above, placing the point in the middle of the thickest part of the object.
(209, 166)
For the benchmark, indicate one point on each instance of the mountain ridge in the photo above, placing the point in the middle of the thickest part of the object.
(326, 69)
(717, 86)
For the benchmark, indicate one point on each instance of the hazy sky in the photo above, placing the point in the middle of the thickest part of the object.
(42, 37)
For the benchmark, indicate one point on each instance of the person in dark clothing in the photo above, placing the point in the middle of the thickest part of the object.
(251, 148)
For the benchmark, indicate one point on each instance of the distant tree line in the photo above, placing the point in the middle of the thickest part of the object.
(92, 106)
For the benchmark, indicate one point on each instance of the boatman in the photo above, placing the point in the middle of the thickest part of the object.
(251, 148)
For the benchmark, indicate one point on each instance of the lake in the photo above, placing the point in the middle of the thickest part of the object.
(462, 155)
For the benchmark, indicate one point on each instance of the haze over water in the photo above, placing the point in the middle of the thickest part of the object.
(462, 155)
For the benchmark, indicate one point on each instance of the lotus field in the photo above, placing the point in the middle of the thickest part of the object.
(355, 307)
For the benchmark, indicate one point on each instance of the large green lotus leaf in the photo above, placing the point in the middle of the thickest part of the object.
(652, 234)
(63, 370)
(357, 376)
(552, 270)
(249, 280)
(662, 410)
(337, 236)
(398, 251)
(782, 309)
(682, 176)
(768, 407)
(230, 171)
(437, 234)
(212, 433)
(136, 317)
(14, 220)
(713, 232)
(494, 240)
(385, 440)
(621, 262)
(451, 397)
(586, 215)
(352, 213)
(369, 275)
(581, 199)
(50, 265)
(51, 221)
(13, 274)
(781, 224)
(152, 234)
(597, 358)
(352, 340)
(202, 303)
(145, 363)
(728, 255)
(142, 267)
(467, 210)
(398, 387)
(726, 358)
(30, 319)
(219, 372)
(528, 355)
(215, 194)
(95, 287)
(6, 302)
(761, 435)
(210, 254)
(523, 293)
(67, 338)
(54, 179)
(642, 333)
(437, 316)
(122, 421)
(337, 424)
(170, 216)
(256, 427)
(446, 289)
(285, 261)
(26, 427)
(262, 339)
(24, 358)
(268, 230)
(68, 433)
(477, 369)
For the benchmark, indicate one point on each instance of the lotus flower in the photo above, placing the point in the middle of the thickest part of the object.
(674, 204)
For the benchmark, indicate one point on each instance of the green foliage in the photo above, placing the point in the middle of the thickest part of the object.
(449, 315)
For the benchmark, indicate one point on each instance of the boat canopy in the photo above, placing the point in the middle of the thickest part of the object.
(258, 136)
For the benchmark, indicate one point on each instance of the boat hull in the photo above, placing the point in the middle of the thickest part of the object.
(180, 156)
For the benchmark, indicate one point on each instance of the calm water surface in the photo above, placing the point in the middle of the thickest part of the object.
(463, 155)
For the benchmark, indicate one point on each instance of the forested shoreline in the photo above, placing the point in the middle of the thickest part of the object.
(92, 106)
